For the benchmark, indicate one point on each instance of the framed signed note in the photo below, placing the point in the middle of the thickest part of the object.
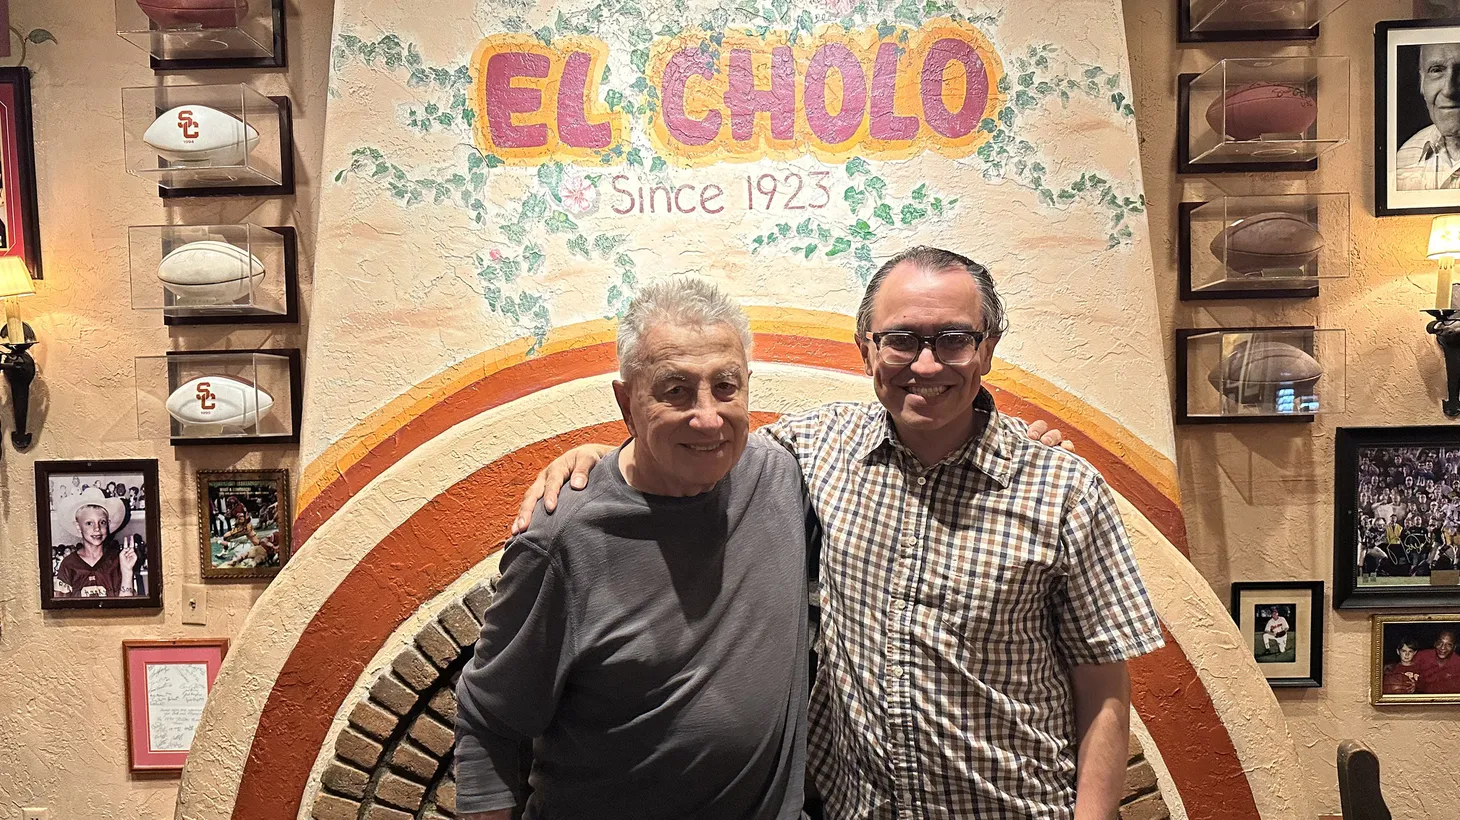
(167, 686)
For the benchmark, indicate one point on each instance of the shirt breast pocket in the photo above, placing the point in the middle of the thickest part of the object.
(994, 604)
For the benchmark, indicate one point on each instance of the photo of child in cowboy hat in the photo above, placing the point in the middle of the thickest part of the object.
(96, 540)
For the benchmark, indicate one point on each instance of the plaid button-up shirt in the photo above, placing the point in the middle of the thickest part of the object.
(955, 598)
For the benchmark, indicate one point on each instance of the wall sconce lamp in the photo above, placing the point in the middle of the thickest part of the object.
(16, 339)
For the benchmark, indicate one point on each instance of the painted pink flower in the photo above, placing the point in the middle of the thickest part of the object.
(841, 8)
(578, 194)
(495, 255)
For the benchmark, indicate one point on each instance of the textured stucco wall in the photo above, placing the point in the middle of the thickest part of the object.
(1258, 500)
(62, 738)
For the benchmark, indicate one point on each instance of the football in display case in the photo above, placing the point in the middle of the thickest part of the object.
(215, 274)
(220, 397)
(1272, 246)
(209, 140)
(1213, 21)
(198, 34)
(1258, 374)
(1264, 114)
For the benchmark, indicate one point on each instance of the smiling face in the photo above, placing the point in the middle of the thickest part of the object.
(92, 521)
(687, 407)
(1406, 654)
(931, 403)
(1439, 83)
(1444, 645)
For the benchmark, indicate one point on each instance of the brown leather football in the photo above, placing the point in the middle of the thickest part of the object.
(1255, 372)
(1267, 241)
(1250, 111)
(195, 13)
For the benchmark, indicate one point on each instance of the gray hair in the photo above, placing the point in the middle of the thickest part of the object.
(995, 321)
(682, 301)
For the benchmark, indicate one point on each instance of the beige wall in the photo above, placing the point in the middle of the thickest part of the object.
(62, 738)
(1258, 499)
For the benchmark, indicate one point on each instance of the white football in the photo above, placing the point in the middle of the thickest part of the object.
(221, 400)
(203, 135)
(210, 272)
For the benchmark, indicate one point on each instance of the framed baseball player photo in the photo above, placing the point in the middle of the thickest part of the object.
(1416, 117)
(243, 523)
(1396, 531)
(1413, 660)
(100, 541)
(1282, 622)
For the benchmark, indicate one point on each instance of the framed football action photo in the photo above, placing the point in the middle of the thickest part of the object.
(100, 542)
(20, 233)
(1396, 528)
(167, 684)
(243, 523)
(1416, 117)
(1282, 622)
(1413, 660)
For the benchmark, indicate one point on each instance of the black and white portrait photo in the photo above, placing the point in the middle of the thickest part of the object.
(1417, 118)
(99, 547)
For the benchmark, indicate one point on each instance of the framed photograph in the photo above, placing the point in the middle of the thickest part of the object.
(1413, 660)
(167, 685)
(20, 232)
(1416, 120)
(1396, 527)
(243, 523)
(1282, 622)
(100, 542)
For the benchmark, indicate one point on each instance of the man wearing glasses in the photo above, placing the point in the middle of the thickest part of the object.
(979, 595)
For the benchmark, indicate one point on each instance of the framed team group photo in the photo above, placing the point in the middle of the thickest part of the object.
(1282, 622)
(1413, 660)
(1396, 529)
(243, 523)
(100, 541)
(20, 233)
(1416, 117)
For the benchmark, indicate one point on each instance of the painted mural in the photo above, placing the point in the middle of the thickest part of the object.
(502, 175)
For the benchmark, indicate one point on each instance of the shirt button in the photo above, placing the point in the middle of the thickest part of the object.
(922, 480)
(895, 671)
(899, 605)
(909, 542)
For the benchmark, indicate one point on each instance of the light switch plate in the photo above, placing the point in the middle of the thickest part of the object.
(195, 604)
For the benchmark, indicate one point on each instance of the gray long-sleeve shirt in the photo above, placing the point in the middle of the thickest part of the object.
(645, 657)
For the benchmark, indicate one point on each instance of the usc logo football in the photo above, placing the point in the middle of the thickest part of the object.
(187, 124)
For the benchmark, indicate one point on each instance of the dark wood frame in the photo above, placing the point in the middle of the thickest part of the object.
(1184, 34)
(1183, 335)
(1314, 590)
(279, 60)
(280, 480)
(1185, 258)
(291, 292)
(286, 167)
(1346, 591)
(1376, 661)
(21, 180)
(127, 646)
(1381, 123)
(44, 470)
(296, 397)
(1184, 165)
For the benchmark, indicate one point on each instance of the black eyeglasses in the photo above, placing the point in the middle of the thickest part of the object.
(951, 347)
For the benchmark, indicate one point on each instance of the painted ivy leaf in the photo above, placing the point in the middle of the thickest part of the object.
(855, 199)
(606, 244)
(630, 108)
(340, 177)
(545, 34)
(613, 98)
(494, 161)
(613, 294)
(640, 84)
(822, 234)
(804, 22)
(533, 256)
(533, 209)
(878, 186)
(810, 249)
(798, 249)
(657, 164)
(1043, 88)
(1093, 71)
(857, 165)
(884, 213)
(494, 297)
(560, 222)
(937, 205)
(805, 228)
(579, 245)
(509, 308)
(1045, 196)
(884, 31)
(1024, 99)
(635, 158)
(863, 253)
(784, 229)
(514, 233)
(40, 35)
(510, 269)
(1006, 116)
(1066, 195)
(988, 125)
(861, 230)
(912, 213)
(1004, 85)
(639, 59)
(603, 78)
(1026, 80)
(920, 193)
(839, 246)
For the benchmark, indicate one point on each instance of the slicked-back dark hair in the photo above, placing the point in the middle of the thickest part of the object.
(937, 260)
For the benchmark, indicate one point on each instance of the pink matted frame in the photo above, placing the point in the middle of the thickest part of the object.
(136, 657)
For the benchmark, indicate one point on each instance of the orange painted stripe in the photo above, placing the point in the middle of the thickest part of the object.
(460, 527)
(517, 381)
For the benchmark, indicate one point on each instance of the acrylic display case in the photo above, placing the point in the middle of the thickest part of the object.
(1213, 21)
(209, 140)
(249, 397)
(215, 274)
(1258, 374)
(1262, 247)
(180, 36)
(1262, 114)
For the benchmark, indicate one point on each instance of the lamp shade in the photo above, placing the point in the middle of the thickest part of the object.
(1445, 237)
(15, 277)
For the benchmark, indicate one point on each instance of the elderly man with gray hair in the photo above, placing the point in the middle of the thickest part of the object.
(645, 655)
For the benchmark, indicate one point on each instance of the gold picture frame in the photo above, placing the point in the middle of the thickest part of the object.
(230, 547)
(1413, 660)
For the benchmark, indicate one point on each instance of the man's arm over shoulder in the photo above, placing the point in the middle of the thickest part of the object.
(509, 692)
(1106, 614)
